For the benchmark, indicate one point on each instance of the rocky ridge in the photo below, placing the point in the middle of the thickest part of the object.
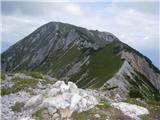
(59, 101)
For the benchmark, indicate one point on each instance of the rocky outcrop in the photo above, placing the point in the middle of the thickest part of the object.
(141, 65)
(131, 110)
(107, 36)
(60, 100)
(63, 98)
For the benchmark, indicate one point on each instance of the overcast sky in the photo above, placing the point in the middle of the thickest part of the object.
(135, 23)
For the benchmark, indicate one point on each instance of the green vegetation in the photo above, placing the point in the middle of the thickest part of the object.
(134, 101)
(38, 114)
(105, 87)
(142, 88)
(151, 105)
(134, 93)
(46, 81)
(65, 28)
(90, 114)
(67, 58)
(104, 110)
(145, 117)
(17, 107)
(104, 63)
(117, 49)
(19, 84)
(2, 75)
(32, 74)
(103, 105)
(61, 59)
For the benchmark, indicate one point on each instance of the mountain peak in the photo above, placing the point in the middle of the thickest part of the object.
(89, 58)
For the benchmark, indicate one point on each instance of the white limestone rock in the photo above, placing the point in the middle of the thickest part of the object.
(58, 102)
(75, 99)
(8, 101)
(131, 110)
(53, 92)
(52, 110)
(72, 85)
(58, 84)
(34, 101)
(64, 87)
(65, 98)
(27, 118)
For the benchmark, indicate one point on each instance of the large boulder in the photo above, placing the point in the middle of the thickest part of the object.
(131, 110)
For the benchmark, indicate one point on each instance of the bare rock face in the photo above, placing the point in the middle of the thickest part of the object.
(141, 65)
(107, 36)
(127, 78)
(119, 81)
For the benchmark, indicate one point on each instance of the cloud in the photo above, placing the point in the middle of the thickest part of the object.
(132, 26)
(148, 7)
(74, 9)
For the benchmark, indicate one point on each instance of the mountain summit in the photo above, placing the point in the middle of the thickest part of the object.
(89, 58)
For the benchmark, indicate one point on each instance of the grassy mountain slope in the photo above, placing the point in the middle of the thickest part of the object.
(104, 63)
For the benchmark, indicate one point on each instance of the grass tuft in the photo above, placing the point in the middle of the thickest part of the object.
(38, 114)
(17, 107)
(19, 84)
